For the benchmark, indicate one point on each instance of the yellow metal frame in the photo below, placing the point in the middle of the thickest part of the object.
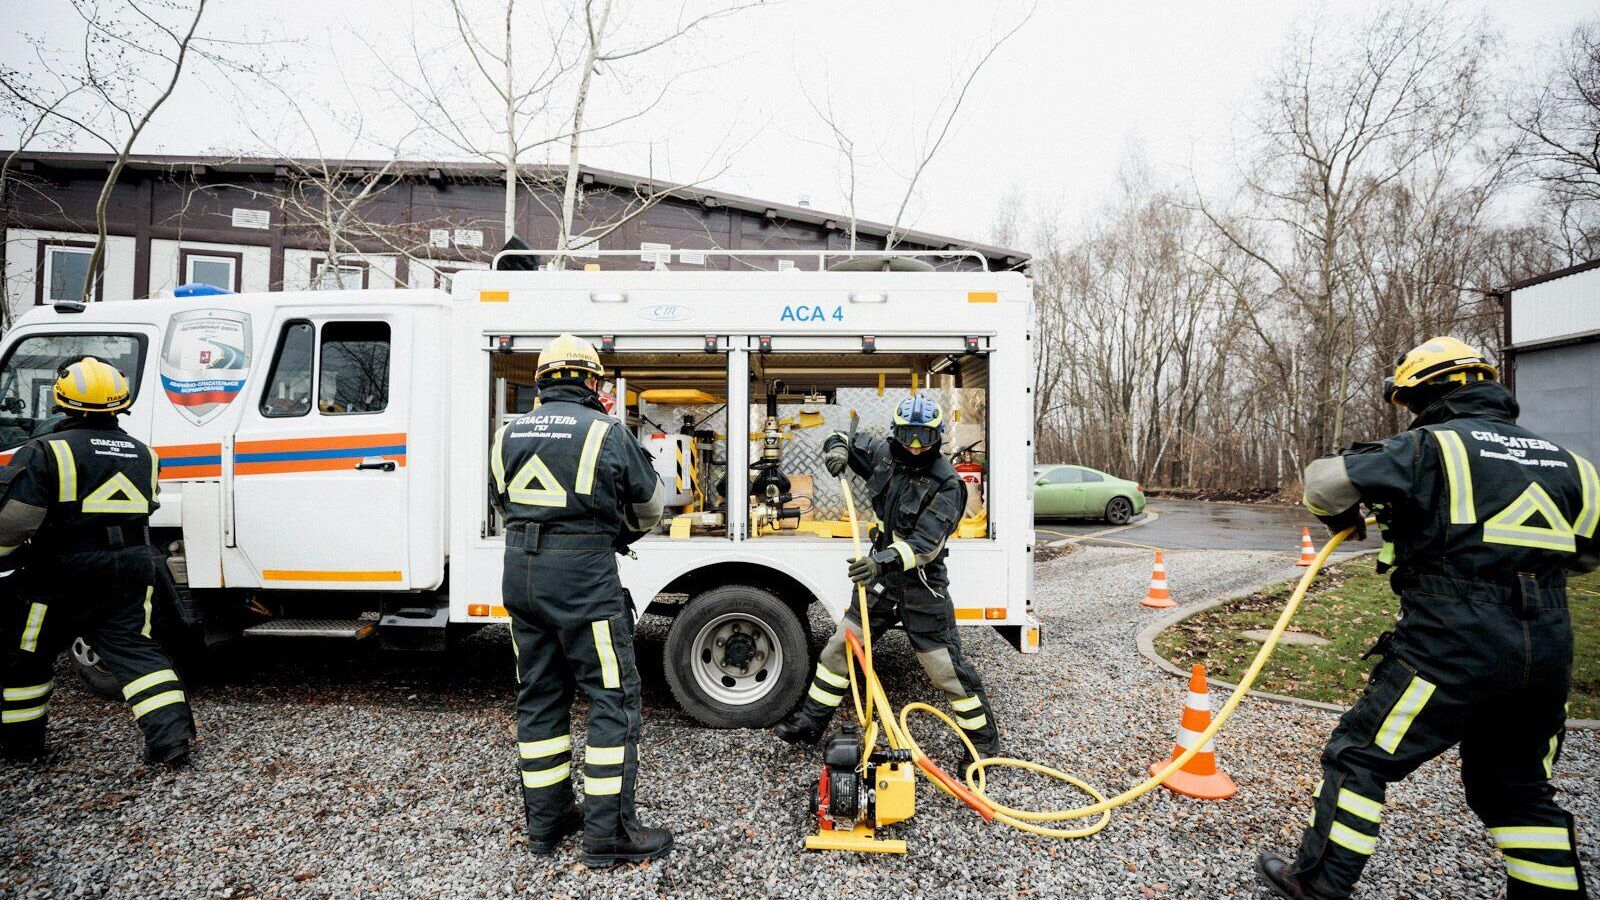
(859, 840)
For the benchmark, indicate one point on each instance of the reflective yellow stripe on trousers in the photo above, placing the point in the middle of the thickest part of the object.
(146, 682)
(148, 593)
(1531, 837)
(13, 716)
(1404, 713)
(1559, 878)
(543, 778)
(150, 705)
(30, 631)
(607, 654)
(31, 692)
(546, 747)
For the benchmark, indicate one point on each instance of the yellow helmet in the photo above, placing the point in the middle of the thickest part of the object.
(91, 385)
(1440, 358)
(568, 356)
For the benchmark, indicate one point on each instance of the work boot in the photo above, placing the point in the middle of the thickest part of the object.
(1281, 880)
(570, 823)
(798, 729)
(985, 751)
(638, 845)
(173, 756)
(25, 751)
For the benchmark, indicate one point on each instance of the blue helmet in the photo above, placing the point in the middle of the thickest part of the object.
(918, 423)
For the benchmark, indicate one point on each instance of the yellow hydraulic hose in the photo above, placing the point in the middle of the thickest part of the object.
(898, 734)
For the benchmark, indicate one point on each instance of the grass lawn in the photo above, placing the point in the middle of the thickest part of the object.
(1350, 605)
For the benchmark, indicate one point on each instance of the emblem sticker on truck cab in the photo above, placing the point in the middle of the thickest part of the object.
(205, 360)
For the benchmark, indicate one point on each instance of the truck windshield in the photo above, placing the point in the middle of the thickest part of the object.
(28, 377)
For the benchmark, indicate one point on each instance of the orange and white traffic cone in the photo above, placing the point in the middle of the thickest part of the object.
(1199, 777)
(1308, 553)
(1158, 598)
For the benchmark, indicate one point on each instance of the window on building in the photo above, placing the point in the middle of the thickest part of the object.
(217, 270)
(354, 374)
(66, 272)
(344, 276)
(289, 384)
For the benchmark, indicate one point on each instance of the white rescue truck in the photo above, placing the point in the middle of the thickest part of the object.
(324, 454)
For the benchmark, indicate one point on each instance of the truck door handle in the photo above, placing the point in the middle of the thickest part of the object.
(375, 463)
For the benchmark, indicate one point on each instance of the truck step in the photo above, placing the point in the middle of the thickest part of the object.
(350, 629)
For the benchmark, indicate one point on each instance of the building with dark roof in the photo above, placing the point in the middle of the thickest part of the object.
(254, 224)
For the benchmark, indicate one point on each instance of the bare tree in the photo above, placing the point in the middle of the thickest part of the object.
(1334, 133)
(36, 124)
(133, 54)
(944, 118)
(527, 86)
(1556, 144)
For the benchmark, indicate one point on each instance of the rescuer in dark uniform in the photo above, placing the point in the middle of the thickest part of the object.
(918, 499)
(1481, 520)
(76, 512)
(576, 489)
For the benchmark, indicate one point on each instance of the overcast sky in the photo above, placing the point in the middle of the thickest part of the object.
(1051, 116)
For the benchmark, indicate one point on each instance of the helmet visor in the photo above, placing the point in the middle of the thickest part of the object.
(916, 436)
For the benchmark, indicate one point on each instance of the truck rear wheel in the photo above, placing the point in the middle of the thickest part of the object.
(92, 671)
(736, 657)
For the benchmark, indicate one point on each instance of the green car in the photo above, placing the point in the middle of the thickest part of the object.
(1078, 492)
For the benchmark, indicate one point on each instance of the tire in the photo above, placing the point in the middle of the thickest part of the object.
(737, 693)
(93, 672)
(1119, 511)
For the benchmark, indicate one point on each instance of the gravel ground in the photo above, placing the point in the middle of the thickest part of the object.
(338, 773)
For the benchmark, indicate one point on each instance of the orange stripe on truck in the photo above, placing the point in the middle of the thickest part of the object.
(321, 443)
(327, 575)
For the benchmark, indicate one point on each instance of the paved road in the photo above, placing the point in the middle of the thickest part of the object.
(1199, 525)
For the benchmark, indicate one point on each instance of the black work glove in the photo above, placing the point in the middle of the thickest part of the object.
(1350, 518)
(835, 456)
(864, 569)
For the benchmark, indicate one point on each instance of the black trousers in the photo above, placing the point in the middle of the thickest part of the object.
(104, 597)
(921, 601)
(571, 627)
(1468, 671)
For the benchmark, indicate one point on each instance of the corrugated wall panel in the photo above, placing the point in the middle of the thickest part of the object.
(1556, 309)
(1556, 389)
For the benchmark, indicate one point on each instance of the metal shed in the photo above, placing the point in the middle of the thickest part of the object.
(1552, 354)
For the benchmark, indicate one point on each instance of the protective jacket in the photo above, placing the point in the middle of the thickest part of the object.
(83, 494)
(918, 509)
(1485, 519)
(569, 468)
(574, 488)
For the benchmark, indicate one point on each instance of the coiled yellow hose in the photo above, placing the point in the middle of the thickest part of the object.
(898, 734)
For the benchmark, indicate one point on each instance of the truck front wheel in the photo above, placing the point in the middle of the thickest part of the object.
(736, 657)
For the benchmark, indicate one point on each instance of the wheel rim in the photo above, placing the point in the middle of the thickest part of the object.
(1120, 511)
(737, 659)
(84, 655)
